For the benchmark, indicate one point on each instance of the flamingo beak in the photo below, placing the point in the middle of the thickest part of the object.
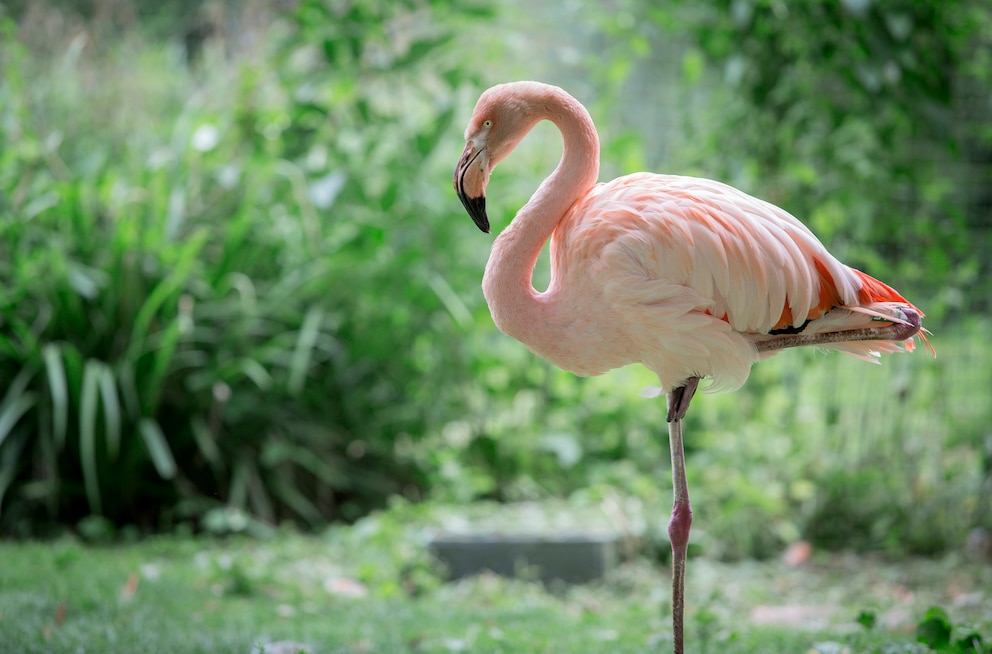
(471, 176)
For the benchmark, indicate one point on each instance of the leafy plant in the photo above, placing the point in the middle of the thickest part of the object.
(848, 114)
(935, 630)
(221, 312)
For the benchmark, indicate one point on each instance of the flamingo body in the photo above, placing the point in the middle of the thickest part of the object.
(682, 274)
(688, 276)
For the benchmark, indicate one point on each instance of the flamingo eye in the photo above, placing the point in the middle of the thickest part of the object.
(487, 123)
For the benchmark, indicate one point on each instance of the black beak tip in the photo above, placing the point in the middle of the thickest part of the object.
(476, 208)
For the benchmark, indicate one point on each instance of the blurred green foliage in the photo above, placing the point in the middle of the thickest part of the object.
(869, 121)
(245, 293)
(205, 317)
(866, 119)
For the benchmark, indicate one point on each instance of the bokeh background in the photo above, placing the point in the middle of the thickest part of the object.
(237, 289)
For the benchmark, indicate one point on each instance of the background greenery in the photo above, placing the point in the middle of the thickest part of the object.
(237, 288)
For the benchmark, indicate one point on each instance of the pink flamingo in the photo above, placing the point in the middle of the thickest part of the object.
(689, 277)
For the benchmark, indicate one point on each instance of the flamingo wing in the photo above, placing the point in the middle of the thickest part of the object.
(762, 269)
(700, 270)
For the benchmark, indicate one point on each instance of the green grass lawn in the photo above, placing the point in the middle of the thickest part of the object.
(361, 590)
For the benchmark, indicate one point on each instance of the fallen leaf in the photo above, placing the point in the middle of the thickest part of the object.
(282, 647)
(810, 617)
(829, 647)
(898, 619)
(344, 587)
(797, 553)
(130, 588)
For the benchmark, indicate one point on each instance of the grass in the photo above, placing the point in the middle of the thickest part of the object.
(370, 588)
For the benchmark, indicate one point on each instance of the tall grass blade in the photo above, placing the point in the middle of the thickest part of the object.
(205, 442)
(9, 463)
(18, 385)
(296, 501)
(181, 271)
(129, 388)
(237, 494)
(259, 494)
(59, 389)
(257, 373)
(13, 408)
(158, 448)
(45, 470)
(162, 362)
(292, 286)
(111, 411)
(284, 452)
(88, 397)
(305, 342)
(16, 402)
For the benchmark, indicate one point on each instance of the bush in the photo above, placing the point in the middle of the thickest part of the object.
(244, 309)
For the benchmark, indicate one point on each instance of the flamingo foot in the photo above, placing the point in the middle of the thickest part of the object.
(679, 398)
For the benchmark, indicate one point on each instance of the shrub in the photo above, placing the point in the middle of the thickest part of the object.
(245, 310)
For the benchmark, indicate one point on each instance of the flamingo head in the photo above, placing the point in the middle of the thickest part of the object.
(502, 117)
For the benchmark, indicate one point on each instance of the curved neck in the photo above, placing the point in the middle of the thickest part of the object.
(507, 284)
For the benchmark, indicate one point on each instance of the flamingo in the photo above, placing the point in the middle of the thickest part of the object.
(690, 277)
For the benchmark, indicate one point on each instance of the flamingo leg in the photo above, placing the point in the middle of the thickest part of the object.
(681, 520)
(678, 404)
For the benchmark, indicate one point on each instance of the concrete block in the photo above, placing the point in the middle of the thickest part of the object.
(572, 558)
